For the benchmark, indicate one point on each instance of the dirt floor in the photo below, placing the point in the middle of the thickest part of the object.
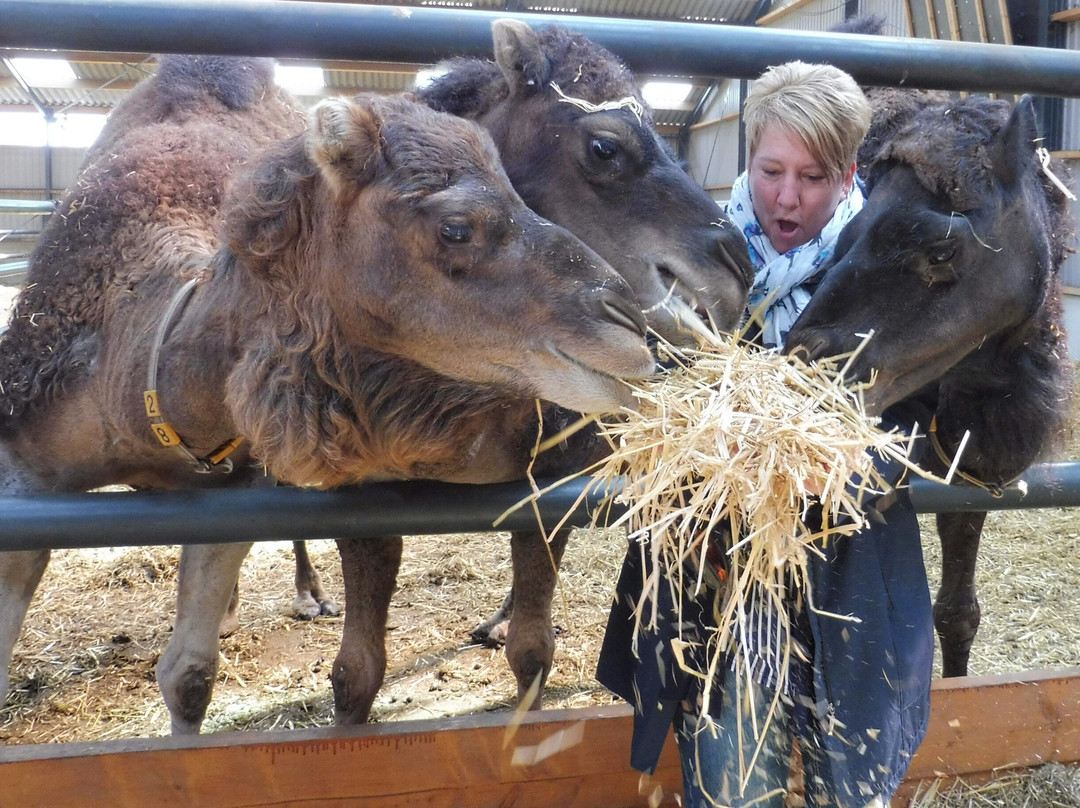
(84, 667)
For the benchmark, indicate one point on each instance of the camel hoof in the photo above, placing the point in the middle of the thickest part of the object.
(328, 608)
(492, 636)
(305, 607)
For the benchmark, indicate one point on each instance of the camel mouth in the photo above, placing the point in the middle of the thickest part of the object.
(577, 385)
(681, 323)
(915, 373)
(644, 369)
(688, 305)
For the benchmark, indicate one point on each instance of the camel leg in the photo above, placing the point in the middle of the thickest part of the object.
(369, 568)
(230, 623)
(310, 602)
(492, 632)
(188, 667)
(530, 639)
(311, 599)
(956, 608)
(20, 574)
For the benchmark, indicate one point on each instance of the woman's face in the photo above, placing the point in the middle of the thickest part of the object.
(793, 195)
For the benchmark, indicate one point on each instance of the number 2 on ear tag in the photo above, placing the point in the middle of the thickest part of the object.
(153, 405)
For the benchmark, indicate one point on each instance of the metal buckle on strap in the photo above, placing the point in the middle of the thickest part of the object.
(996, 490)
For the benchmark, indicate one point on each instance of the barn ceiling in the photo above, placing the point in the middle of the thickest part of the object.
(102, 79)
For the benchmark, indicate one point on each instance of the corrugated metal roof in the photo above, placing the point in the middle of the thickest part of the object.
(62, 100)
(370, 80)
(730, 11)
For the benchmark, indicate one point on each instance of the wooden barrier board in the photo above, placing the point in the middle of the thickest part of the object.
(555, 759)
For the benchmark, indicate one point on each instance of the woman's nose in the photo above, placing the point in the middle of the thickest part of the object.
(788, 196)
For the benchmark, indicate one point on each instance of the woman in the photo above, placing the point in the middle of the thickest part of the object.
(857, 696)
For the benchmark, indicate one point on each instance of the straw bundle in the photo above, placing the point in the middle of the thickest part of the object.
(733, 436)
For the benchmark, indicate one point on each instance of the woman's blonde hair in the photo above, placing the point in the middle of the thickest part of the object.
(820, 104)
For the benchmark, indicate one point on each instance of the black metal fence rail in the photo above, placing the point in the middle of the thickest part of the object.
(114, 519)
(288, 28)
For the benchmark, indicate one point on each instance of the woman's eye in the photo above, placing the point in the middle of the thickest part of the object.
(604, 148)
(941, 254)
(455, 233)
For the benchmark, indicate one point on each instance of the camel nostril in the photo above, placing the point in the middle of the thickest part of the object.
(732, 252)
(622, 311)
(808, 346)
(673, 287)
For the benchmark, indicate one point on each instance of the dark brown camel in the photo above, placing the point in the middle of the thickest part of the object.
(954, 264)
(363, 296)
(577, 142)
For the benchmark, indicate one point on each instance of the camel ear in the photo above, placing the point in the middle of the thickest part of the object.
(1013, 148)
(343, 139)
(520, 57)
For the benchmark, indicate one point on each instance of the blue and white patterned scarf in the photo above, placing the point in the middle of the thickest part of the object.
(779, 277)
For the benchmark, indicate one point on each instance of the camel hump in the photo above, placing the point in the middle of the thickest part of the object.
(237, 82)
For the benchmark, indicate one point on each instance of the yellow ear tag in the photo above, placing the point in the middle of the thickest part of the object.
(153, 404)
(166, 435)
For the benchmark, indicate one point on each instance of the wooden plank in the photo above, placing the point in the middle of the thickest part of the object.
(969, 22)
(979, 727)
(1068, 15)
(983, 724)
(1002, 15)
(954, 22)
(939, 13)
(921, 19)
(710, 122)
(980, 16)
(448, 762)
(996, 17)
(780, 13)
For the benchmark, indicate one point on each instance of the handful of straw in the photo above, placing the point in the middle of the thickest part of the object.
(740, 437)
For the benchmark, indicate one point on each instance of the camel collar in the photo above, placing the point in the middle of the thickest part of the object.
(167, 436)
(952, 463)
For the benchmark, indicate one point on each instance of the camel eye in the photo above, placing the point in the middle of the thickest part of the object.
(455, 233)
(938, 274)
(941, 254)
(604, 148)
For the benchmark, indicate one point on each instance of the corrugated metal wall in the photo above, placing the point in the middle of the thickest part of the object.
(22, 176)
(1070, 141)
(714, 142)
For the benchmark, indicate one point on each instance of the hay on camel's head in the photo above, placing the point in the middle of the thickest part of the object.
(732, 437)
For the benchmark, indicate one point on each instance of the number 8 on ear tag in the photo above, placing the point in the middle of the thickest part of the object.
(166, 435)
